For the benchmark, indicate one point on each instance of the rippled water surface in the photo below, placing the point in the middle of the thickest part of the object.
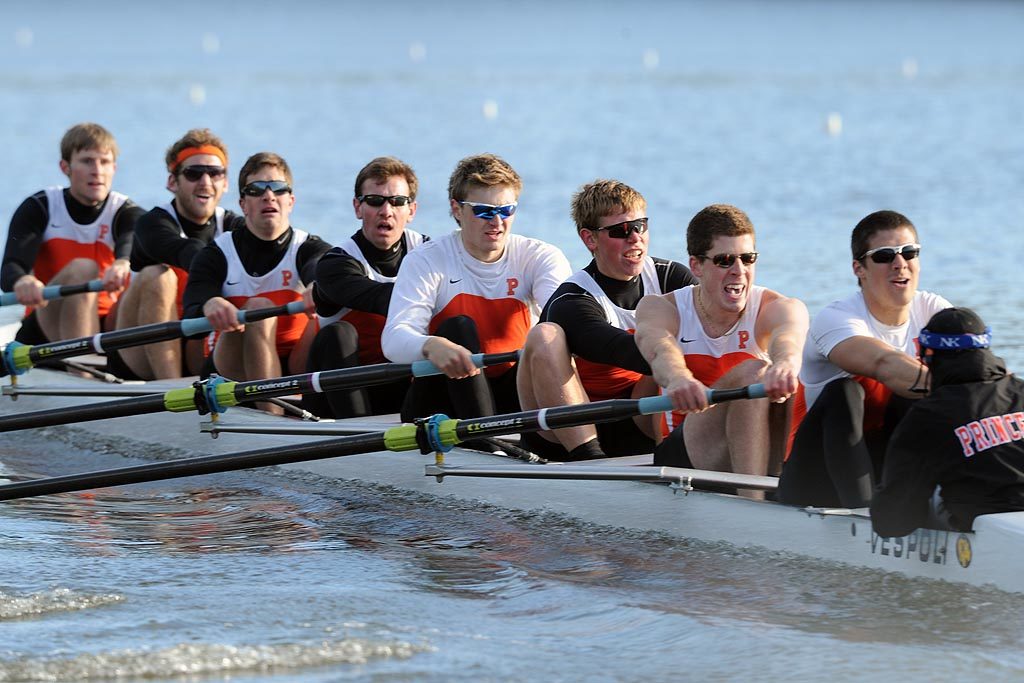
(260, 577)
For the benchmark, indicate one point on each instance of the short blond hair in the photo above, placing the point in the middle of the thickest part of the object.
(482, 170)
(87, 136)
(601, 198)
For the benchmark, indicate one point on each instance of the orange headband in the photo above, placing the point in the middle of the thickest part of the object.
(201, 149)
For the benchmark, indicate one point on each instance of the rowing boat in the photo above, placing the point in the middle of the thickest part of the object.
(623, 492)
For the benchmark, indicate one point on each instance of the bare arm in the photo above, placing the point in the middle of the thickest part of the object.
(870, 357)
(784, 321)
(657, 320)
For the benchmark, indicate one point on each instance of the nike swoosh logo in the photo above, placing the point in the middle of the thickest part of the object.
(686, 341)
(232, 283)
(452, 282)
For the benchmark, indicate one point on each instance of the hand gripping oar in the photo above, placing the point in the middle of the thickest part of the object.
(434, 434)
(56, 291)
(18, 358)
(218, 394)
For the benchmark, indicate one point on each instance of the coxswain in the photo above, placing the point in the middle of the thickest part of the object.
(959, 451)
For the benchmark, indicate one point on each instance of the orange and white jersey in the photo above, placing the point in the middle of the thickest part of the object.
(281, 284)
(600, 380)
(369, 325)
(440, 280)
(181, 272)
(708, 358)
(65, 240)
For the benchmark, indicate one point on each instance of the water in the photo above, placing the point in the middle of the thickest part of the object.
(266, 578)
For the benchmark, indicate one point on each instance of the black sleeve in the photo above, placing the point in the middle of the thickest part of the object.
(673, 275)
(589, 334)
(309, 254)
(24, 237)
(341, 282)
(902, 501)
(124, 228)
(205, 279)
(158, 239)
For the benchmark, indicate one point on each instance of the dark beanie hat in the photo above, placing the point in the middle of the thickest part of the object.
(955, 329)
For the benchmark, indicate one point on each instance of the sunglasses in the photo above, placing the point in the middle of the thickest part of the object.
(909, 252)
(748, 258)
(489, 211)
(622, 230)
(377, 200)
(258, 188)
(194, 174)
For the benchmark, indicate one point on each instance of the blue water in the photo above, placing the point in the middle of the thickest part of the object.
(259, 578)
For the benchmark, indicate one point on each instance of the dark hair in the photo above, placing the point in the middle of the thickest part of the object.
(717, 220)
(874, 223)
(382, 168)
(257, 161)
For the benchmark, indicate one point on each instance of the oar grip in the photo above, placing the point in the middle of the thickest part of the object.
(254, 315)
(56, 291)
(424, 368)
(663, 404)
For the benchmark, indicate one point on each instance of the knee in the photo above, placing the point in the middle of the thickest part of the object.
(157, 275)
(546, 342)
(339, 337)
(462, 330)
(747, 372)
(81, 269)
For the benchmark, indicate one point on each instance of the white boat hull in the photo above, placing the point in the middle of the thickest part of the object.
(991, 555)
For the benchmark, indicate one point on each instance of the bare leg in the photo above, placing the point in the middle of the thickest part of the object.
(151, 298)
(648, 424)
(547, 377)
(73, 316)
(252, 353)
(732, 437)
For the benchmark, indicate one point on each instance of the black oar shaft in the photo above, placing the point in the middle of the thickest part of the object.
(359, 443)
(84, 413)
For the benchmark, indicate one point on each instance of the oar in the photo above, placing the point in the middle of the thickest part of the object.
(217, 394)
(18, 358)
(56, 291)
(436, 433)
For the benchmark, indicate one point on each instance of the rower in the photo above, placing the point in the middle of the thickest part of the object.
(583, 349)
(959, 452)
(725, 332)
(353, 288)
(478, 289)
(167, 238)
(69, 236)
(860, 369)
(265, 264)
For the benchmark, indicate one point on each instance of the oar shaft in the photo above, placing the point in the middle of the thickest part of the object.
(56, 291)
(84, 413)
(359, 443)
(20, 358)
(401, 438)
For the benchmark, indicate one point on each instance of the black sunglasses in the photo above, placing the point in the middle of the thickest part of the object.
(195, 173)
(909, 252)
(622, 230)
(258, 188)
(377, 200)
(748, 258)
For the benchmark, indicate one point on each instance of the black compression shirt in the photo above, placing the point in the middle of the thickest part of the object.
(158, 238)
(588, 332)
(341, 280)
(25, 235)
(210, 267)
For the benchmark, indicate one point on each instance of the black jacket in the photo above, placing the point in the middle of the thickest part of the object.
(966, 436)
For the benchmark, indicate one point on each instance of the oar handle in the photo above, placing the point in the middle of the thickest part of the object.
(56, 291)
(424, 368)
(194, 326)
(663, 404)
